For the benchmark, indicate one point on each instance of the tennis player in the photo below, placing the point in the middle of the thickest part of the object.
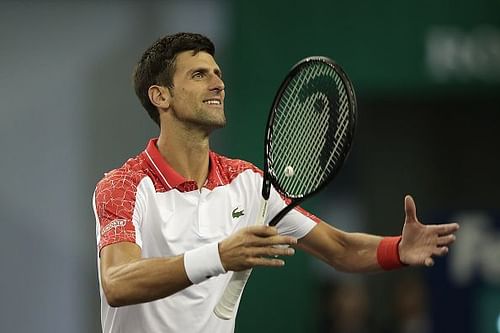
(174, 222)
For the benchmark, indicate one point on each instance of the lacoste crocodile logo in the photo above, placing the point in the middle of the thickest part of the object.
(236, 214)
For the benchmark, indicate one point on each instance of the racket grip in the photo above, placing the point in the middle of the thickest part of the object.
(225, 308)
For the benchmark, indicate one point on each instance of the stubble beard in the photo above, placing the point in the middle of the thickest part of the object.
(205, 119)
(211, 121)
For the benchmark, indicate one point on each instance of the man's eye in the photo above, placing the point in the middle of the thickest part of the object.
(197, 75)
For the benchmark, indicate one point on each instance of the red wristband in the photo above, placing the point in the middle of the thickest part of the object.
(388, 253)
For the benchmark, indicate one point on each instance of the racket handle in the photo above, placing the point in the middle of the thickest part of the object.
(225, 308)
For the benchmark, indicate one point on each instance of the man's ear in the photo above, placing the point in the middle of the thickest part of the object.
(159, 96)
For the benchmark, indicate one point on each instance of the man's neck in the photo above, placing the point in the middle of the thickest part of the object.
(187, 154)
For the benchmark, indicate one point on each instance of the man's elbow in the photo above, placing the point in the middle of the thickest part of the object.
(114, 302)
(113, 293)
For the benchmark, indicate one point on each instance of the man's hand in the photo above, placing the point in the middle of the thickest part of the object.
(420, 242)
(254, 246)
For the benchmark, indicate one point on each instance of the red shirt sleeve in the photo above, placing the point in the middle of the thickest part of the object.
(115, 200)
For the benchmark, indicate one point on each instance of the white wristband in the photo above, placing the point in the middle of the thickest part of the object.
(203, 262)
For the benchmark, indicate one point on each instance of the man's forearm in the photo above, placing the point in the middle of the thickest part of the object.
(359, 253)
(144, 280)
(347, 252)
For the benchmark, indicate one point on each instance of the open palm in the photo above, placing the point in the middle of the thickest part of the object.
(419, 242)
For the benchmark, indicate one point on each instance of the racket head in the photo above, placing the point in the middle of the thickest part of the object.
(310, 128)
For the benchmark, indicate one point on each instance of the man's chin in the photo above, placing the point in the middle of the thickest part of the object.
(213, 124)
(218, 125)
(219, 121)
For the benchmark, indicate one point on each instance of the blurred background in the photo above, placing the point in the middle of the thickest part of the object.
(427, 78)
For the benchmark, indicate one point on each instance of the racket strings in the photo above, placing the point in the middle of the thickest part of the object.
(310, 128)
(314, 138)
(287, 145)
(294, 150)
(339, 140)
(295, 153)
(306, 134)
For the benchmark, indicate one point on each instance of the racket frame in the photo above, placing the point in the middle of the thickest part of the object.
(269, 173)
(227, 303)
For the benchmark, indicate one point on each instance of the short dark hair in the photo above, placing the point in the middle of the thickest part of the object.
(157, 64)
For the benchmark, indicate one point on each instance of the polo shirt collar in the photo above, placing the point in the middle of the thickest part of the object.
(172, 179)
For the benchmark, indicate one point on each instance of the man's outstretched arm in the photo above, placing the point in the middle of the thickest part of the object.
(358, 252)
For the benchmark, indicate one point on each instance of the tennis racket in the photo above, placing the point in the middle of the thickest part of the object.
(308, 137)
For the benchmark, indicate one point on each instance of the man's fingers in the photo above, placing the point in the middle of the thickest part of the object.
(263, 235)
(429, 262)
(446, 240)
(255, 246)
(276, 240)
(262, 230)
(268, 262)
(446, 229)
(265, 256)
(266, 231)
(272, 251)
(410, 209)
(440, 251)
(272, 240)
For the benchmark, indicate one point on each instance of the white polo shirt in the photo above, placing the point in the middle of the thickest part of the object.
(148, 203)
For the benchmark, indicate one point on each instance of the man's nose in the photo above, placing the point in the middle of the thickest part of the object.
(217, 83)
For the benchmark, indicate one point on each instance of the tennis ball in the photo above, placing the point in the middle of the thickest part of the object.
(289, 171)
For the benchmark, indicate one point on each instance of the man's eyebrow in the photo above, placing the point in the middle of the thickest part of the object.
(198, 69)
(217, 71)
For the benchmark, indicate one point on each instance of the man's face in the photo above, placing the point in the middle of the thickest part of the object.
(198, 92)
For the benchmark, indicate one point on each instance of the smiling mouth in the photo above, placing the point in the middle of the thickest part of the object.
(215, 102)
